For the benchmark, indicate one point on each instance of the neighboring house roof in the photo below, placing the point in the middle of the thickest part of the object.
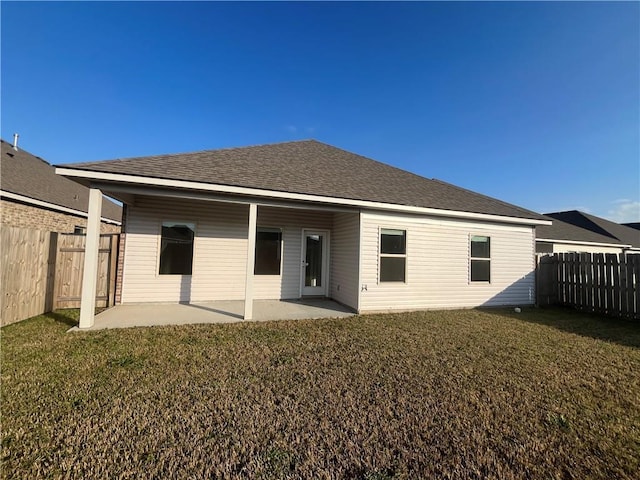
(309, 167)
(635, 225)
(614, 232)
(565, 232)
(30, 179)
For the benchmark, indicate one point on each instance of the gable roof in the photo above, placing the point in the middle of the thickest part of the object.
(28, 176)
(313, 168)
(600, 226)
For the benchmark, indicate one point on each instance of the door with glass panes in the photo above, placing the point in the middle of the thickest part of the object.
(314, 263)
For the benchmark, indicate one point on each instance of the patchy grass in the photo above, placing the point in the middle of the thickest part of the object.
(459, 394)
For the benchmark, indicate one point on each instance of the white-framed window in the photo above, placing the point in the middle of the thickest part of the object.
(268, 259)
(79, 230)
(393, 255)
(176, 248)
(480, 258)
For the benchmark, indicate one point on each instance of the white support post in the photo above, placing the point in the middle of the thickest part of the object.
(251, 260)
(90, 272)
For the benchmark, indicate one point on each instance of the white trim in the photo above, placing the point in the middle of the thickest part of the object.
(251, 257)
(393, 255)
(159, 246)
(325, 276)
(479, 259)
(90, 267)
(117, 177)
(203, 196)
(53, 206)
(580, 242)
(279, 230)
(360, 284)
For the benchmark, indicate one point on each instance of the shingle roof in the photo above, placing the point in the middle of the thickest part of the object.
(309, 167)
(25, 174)
(600, 226)
(560, 230)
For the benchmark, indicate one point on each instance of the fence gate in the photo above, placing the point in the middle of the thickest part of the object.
(69, 270)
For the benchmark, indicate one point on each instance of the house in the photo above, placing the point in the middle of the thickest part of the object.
(33, 196)
(575, 231)
(304, 218)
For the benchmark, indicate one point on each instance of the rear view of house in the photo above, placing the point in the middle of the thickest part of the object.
(300, 219)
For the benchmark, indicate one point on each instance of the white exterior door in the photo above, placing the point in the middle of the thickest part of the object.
(314, 263)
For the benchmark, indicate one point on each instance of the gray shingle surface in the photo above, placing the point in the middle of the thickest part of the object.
(606, 228)
(25, 174)
(567, 231)
(309, 167)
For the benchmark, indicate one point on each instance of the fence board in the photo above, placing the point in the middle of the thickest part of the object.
(25, 272)
(42, 271)
(602, 283)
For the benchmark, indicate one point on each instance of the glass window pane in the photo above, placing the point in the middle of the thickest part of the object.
(392, 241)
(176, 248)
(268, 252)
(480, 270)
(480, 247)
(313, 270)
(392, 269)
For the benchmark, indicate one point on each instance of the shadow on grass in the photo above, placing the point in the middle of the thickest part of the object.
(622, 332)
(65, 317)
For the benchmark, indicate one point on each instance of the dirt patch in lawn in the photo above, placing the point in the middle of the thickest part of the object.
(458, 394)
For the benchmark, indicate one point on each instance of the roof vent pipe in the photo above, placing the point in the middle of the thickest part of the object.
(15, 141)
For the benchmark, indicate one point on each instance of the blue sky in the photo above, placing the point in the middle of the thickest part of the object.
(537, 104)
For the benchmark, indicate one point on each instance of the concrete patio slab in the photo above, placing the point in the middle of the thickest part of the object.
(148, 315)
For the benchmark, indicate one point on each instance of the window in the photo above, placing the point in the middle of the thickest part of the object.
(176, 248)
(79, 230)
(268, 251)
(393, 255)
(480, 259)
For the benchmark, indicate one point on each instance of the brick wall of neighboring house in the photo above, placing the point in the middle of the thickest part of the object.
(120, 267)
(18, 214)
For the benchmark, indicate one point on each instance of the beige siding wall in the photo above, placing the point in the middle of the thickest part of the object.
(438, 264)
(345, 258)
(219, 254)
(220, 250)
(16, 214)
(292, 222)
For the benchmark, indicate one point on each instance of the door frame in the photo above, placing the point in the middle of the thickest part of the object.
(325, 261)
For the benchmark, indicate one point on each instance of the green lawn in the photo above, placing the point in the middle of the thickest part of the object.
(456, 394)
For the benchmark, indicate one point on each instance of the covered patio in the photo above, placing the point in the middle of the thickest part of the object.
(158, 314)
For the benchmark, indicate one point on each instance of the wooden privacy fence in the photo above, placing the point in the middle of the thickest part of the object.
(42, 271)
(606, 283)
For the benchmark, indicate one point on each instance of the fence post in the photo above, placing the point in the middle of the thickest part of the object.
(111, 272)
(50, 298)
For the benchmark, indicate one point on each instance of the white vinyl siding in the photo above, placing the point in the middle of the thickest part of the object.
(345, 258)
(438, 271)
(291, 221)
(220, 249)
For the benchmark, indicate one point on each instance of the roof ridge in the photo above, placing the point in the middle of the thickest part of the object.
(195, 152)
